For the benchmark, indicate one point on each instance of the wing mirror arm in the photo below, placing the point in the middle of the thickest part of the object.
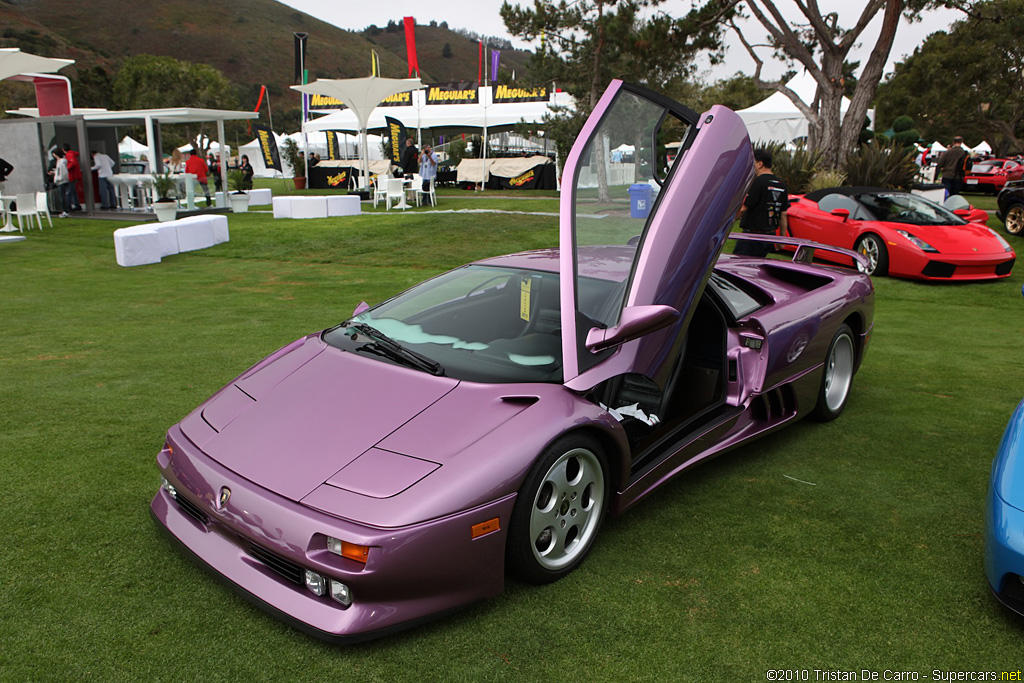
(363, 306)
(635, 322)
(841, 213)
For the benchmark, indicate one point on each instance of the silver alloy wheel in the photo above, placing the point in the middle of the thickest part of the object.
(567, 509)
(869, 247)
(1015, 220)
(839, 372)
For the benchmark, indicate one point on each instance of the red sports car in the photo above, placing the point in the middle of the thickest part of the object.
(902, 234)
(992, 175)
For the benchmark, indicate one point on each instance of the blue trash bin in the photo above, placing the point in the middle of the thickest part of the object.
(640, 200)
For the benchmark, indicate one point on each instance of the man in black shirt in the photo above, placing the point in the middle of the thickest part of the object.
(410, 158)
(764, 209)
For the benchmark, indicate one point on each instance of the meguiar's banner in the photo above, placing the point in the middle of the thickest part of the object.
(268, 147)
(396, 139)
(509, 93)
(452, 93)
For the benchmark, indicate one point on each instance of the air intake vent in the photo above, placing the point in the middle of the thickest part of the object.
(285, 568)
(191, 509)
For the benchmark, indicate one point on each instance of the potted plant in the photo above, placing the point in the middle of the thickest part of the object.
(166, 207)
(290, 151)
(239, 198)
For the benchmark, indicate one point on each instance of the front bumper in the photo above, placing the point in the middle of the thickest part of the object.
(258, 540)
(941, 267)
(1004, 552)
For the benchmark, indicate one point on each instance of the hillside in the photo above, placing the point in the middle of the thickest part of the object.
(250, 41)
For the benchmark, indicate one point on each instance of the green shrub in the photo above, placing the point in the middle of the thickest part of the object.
(902, 124)
(830, 177)
(890, 165)
(794, 167)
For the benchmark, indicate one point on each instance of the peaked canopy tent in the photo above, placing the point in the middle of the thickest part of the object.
(14, 62)
(361, 95)
(776, 118)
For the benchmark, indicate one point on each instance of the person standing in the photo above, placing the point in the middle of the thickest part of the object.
(5, 170)
(104, 167)
(60, 178)
(950, 167)
(428, 167)
(247, 172)
(196, 166)
(764, 208)
(74, 177)
(410, 158)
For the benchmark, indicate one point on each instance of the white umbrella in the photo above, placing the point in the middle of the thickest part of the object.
(361, 95)
(13, 62)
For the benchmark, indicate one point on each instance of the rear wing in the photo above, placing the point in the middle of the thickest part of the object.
(804, 249)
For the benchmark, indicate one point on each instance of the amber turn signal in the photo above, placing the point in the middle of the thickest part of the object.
(349, 550)
(484, 528)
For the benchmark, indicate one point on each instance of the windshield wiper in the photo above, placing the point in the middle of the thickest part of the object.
(387, 347)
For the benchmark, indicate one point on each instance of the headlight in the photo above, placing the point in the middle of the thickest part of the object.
(918, 242)
(166, 486)
(1006, 245)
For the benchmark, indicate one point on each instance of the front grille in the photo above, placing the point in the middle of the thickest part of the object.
(191, 509)
(1005, 267)
(285, 568)
(938, 269)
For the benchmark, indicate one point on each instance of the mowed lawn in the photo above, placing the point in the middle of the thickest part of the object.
(852, 545)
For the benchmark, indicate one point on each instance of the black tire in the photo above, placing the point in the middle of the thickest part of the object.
(836, 375)
(559, 510)
(1015, 219)
(873, 246)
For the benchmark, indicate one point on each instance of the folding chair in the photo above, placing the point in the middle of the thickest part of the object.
(429, 193)
(43, 209)
(26, 208)
(380, 189)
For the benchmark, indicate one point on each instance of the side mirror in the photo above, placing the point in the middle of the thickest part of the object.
(363, 306)
(963, 213)
(841, 213)
(635, 322)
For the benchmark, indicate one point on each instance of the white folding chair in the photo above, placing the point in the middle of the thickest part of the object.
(43, 208)
(26, 208)
(395, 191)
(429, 193)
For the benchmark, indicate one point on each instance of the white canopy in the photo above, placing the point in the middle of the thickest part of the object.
(361, 95)
(14, 62)
(982, 148)
(317, 143)
(131, 147)
(937, 147)
(776, 118)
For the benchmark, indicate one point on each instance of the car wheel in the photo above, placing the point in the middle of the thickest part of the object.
(1015, 219)
(837, 377)
(558, 511)
(873, 247)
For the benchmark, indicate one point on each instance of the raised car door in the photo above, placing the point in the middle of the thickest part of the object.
(639, 235)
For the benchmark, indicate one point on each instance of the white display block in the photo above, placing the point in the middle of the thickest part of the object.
(344, 205)
(137, 246)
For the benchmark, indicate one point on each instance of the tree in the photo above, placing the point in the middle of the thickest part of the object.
(821, 47)
(969, 81)
(151, 82)
(446, 51)
(739, 91)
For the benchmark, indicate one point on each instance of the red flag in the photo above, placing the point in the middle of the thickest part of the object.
(259, 102)
(410, 45)
(480, 65)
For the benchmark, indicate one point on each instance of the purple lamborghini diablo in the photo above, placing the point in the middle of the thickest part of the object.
(384, 471)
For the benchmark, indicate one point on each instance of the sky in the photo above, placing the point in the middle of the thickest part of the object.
(482, 16)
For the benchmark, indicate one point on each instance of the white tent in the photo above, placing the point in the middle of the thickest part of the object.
(131, 147)
(14, 62)
(982, 148)
(937, 147)
(212, 145)
(776, 118)
(317, 143)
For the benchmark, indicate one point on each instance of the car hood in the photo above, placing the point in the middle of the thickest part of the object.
(969, 239)
(295, 421)
(1008, 466)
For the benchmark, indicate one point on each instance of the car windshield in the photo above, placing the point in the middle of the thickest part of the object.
(480, 323)
(903, 207)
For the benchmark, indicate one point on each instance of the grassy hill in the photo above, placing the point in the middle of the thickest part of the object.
(250, 41)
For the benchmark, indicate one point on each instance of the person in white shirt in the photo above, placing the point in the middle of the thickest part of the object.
(104, 167)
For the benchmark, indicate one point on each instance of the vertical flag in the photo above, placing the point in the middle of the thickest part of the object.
(410, 45)
(374, 63)
(495, 60)
(259, 102)
(268, 147)
(396, 135)
(332, 144)
(480, 65)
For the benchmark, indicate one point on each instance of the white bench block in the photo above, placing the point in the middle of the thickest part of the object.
(137, 246)
(300, 207)
(344, 205)
(260, 197)
(195, 232)
(168, 234)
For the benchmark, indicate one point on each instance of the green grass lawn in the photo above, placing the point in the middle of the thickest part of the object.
(851, 545)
